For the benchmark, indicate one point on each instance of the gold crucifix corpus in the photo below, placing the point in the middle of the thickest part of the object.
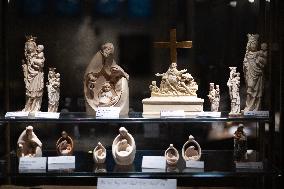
(173, 45)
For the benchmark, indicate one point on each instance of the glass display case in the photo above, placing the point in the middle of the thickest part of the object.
(73, 31)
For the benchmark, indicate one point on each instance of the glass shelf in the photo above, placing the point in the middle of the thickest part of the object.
(134, 117)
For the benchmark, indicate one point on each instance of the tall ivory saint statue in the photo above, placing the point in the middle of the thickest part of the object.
(253, 66)
(106, 83)
(33, 74)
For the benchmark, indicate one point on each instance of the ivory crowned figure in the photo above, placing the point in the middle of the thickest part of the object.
(106, 83)
(53, 89)
(123, 148)
(214, 97)
(64, 145)
(253, 67)
(191, 150)
(233, 85)
(99, 153)
(28, 144)
(33, 74)
(172, 155)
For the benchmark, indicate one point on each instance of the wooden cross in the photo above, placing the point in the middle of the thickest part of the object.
(173, 45)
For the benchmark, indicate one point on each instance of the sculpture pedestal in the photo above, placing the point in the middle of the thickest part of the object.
(190, 104)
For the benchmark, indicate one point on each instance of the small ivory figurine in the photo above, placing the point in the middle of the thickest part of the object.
(106, 83)
(214, 97)
(33, 74)
(53, 89)
(64, 145)
(234, 84)
(253, 66)
(240, 144)
(28, 144)
(99, 153)
(172, 155)
(123, 148)
(191, 150)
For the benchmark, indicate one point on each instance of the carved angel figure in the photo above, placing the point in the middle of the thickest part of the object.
(53, 89)
(64, 145)
(171, 155)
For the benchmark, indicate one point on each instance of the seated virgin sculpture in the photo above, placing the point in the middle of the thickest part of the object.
(64, 145)
(28, 144)
(123, 148)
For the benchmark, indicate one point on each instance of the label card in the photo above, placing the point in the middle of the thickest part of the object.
(108, 112)
(249, 165)
(209, 114)
(172, 113)
(32, 165)
(16, 114)
(195, 164)
(61, 162)
(53, 115)
(257, 113)
(154, 162)
(136, 183)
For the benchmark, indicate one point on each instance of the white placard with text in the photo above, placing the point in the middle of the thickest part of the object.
(249, 165)
(52, 115)
(209, 114)
(172, 113)
(154, 162)
(61, 162)
(16, 114)
(32, 165)
(108, 112)
(195, 164)
(257, 113)
(136, 183)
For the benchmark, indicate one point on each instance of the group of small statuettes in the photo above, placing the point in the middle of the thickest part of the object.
(106, 83)
(123, 148)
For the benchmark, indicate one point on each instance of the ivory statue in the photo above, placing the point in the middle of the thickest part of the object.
(28, 144)
(99, 153)
(105, 83)
(33, 74)
(240, 144)
(53, 89)
(253, 66)
(234, 84)
(123, 148)
(191, 150)
(214, 97)
(64, 145)
(172, 155)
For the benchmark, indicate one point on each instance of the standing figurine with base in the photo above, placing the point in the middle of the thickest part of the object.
(240, 144)
(53, 89)
(234, 84)
(33, 74)
(214, 97)
(253, 67)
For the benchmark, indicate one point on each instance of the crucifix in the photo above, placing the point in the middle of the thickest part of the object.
(173, 45)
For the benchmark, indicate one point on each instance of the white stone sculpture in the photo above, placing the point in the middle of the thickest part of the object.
(99, 153)
(214, 97)
(253, 66)
(191, 150)
(33, 74)
(234, 84)
(53, 90)
(28, 144)
(105, 83)
(123, 148)
(177, 91)
(172, 155)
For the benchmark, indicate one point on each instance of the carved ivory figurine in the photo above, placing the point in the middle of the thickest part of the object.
(53, 89)
(253, 66)
(28, 144)
(240, 144)
(33, 74)
(105, 83)
(171, 155)
(234, 84)
(99, 153)
(214, 97)
(123, 148)
(191, 150)
(64, 145)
